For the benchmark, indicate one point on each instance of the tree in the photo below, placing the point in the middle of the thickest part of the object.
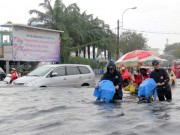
(130, 41)
(80, 30)
(177, 53)
(171, 52)
(52, 17)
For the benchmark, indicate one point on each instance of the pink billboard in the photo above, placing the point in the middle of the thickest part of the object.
(35, 44)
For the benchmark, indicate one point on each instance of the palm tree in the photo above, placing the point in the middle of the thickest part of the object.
(80, 30)
(73, 25)
(52, 18)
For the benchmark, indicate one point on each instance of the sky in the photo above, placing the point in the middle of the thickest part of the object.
(157, 20)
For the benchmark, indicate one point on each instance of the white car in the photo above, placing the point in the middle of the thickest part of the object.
(59, 75)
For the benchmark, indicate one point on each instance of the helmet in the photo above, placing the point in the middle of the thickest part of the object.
(111, 65)
(122, 68)
(13, 69)
(168, 68)
(155, 62)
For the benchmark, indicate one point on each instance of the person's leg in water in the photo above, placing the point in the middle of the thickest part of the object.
(161, 97)
(118, 95)
(168, 94)
(168, 97)
(160, 92)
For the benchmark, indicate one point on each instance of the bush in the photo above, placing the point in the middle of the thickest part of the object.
(102, 64)
(80, 60)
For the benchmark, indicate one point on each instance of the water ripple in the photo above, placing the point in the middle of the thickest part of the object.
(73, 111)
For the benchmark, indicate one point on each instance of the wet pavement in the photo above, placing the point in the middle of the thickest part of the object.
(73, 111)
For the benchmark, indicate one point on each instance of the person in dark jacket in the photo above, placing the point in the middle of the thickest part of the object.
(162, 79)
(114, 75)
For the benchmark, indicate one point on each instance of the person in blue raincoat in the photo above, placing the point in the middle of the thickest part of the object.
(113, 75)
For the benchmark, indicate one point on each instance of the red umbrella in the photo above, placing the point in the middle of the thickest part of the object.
(133, 58)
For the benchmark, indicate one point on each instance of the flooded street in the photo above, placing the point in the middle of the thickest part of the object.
(73, 111)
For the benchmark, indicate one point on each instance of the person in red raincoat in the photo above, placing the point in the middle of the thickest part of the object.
(14, 74)
(126, 77)
(141, 76)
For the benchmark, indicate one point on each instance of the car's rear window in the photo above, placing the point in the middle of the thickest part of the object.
(84, 70)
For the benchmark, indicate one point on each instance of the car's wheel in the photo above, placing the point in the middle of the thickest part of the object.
(85, 84)
(43, 86)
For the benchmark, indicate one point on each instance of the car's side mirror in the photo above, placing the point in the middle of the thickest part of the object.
(53, 74)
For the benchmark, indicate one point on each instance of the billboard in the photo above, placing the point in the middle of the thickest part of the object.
(35, 44)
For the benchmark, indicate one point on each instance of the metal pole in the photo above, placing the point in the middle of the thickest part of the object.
(124, 12)
(117, 51)
(7, 67)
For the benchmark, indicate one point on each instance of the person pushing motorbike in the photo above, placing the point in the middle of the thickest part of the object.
(162, 79)
(114, 75)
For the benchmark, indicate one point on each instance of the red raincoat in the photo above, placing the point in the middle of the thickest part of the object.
(126, 75)
(14, 75)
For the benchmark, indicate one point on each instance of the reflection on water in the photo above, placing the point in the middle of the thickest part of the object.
(67, 111)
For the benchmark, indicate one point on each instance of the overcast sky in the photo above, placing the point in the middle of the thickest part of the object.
(155, 17)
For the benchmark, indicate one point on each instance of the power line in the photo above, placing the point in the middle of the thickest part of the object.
(152, 32)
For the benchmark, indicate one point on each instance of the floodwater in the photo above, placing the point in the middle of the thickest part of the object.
(73, 111)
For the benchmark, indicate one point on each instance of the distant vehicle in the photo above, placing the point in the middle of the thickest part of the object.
(176, 68)
(59, 75)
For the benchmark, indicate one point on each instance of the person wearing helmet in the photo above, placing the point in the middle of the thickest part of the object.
(143, 72)
(114, 75)
(14, 74)
(161, 77)
(126, 76)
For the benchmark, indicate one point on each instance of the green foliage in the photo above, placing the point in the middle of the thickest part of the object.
(130, 41)
(173, 51)
(64, 50)
(102, 65)
(172, 47)
(80, 60)
(177, 53)
(80, 29)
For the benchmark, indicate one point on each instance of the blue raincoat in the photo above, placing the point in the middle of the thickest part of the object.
(105, 91)
(146, 88)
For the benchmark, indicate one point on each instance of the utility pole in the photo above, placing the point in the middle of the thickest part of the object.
(117, 51)
(118, 48)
